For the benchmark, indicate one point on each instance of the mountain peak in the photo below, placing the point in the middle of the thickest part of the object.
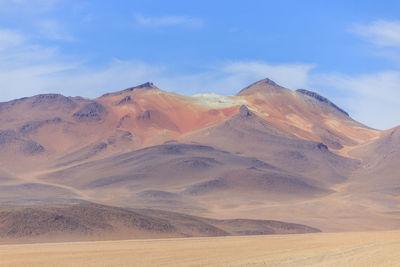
(268, 81)
(144, 86)
(321, 98)
(265, 85)
(149, 85)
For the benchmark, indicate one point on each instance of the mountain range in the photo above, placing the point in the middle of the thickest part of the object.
(143, 162)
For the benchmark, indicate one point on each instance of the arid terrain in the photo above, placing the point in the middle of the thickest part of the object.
(199, 133)
(321, 249)
(145, 163)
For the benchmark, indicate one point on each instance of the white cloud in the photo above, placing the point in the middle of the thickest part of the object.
(29, 70)
(9, 39)
(230, 77)
(168, 21)
(35, 19)
(52, 29)
(38, 71)
(382, 33)
(373, 98)
(34, 6)
(289, 75)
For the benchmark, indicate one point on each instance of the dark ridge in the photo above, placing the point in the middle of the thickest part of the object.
(206, 187)
(157, 194)
(84, 153)
(7, 136)
(262, 227)
(120, 136)
(11, 103)
(30, 148)
(181, 148)
(87, 219)
(125, 100)
(147, 86)
(52, 98)
(322, 99)
(193, 163)
(90, 112)
(256, 163)
(42, 101)
(145, 115)
(32, 126)
(123, 119)
(82, 219)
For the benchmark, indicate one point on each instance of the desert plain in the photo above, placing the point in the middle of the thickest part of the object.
(316, 249)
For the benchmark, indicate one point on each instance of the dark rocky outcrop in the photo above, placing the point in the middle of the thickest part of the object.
(244, 112)
(82, 220)
(10, 139)
(33, 126)
(58, 101)
(146, 115)
(124, 119)
(126, 100)
(322, 146)
(145, 86)
(30, 148)
(7, 136)
(92, 111)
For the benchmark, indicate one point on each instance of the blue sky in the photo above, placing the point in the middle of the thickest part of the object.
(348, 51)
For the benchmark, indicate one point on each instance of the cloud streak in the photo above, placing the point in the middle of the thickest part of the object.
(372, 98)
(10, 39)
(381, 33)
(169, 21)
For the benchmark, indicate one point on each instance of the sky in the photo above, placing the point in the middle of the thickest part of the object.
(348, 51)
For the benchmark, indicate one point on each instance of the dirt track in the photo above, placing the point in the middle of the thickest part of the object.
(322, 249)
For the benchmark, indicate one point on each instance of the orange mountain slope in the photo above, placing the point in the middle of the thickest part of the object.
(74, 128)
(266, 153)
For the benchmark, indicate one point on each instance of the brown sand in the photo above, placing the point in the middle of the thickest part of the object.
(322, 249)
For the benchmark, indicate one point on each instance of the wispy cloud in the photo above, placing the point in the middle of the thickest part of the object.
(169, 21)
(9, 38)
(36, 18)
(372, 98)
(52, 29)
(289, 75)
(382, 33)
(230, 77)
(37, 6)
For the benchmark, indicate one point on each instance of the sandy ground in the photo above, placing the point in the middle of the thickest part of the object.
(322, 249)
